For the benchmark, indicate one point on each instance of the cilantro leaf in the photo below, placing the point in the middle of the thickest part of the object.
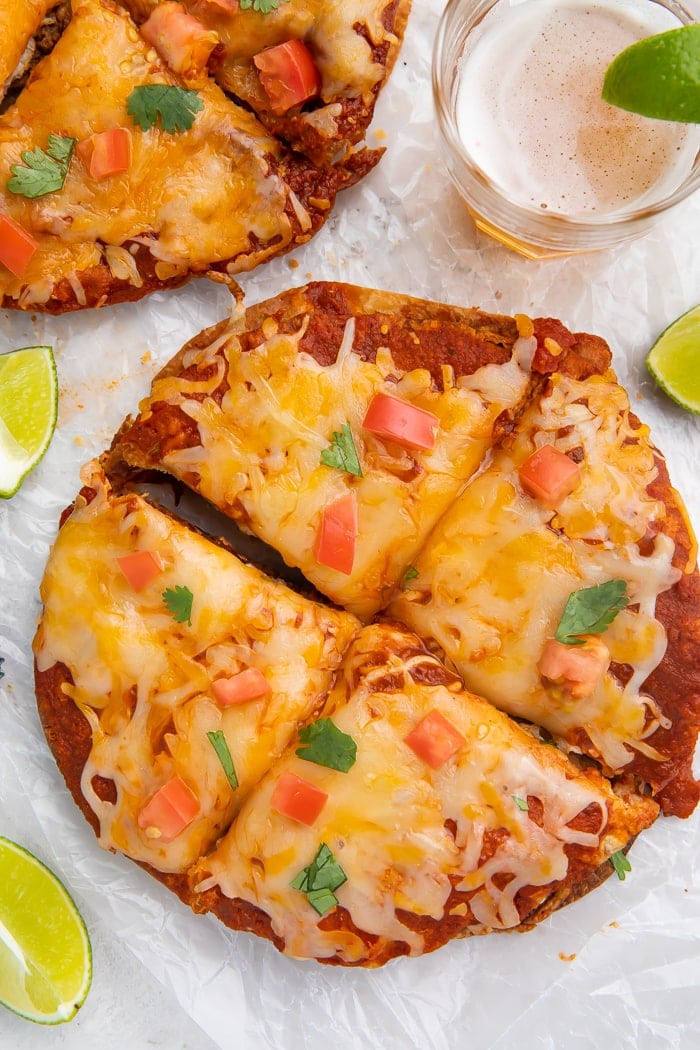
(589, 611)
(319, 880)
(342, 454)
(410, 574)
(178, 601)
(218, 742)
(620, 864)
(176, 107)
(326, 745)
(262, 6)
(43, 171)
(521, 803)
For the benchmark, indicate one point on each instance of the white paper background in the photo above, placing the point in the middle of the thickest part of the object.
(620, 968)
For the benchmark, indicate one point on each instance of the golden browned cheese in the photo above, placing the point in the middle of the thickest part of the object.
(143, 679)
(19, 20)
(215, 199)
(245, 422)
(472, 846)
(492, 582)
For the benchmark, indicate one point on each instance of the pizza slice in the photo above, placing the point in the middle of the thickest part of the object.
(410, 813)
(338, 423)
(169, 674)
(563, 586)
(310, 71)
(118, 177)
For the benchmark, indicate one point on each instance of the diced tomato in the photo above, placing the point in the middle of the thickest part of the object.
(549, 475)
(577, 668)
(16, 246)
(169, 811)
(400, 421)
(337, 534)
(288, 74)
(435, 739)
(180, 39)
(246, 685)
(140, 568)
(107, 153)
(298, 799)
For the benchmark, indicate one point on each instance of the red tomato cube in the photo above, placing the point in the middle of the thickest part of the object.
(298, 799)
(337, 534)
(180, 39)
(16, 246)
(390, 417)
(110, 153)
(169, 811)
(577, 668)
(435, 739)
(288, 74)
(549, 475)
(140, 568)
(250, 684)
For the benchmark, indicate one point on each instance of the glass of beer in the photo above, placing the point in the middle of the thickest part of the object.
(542, 162)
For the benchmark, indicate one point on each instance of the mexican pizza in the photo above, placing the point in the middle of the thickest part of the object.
(509, 693)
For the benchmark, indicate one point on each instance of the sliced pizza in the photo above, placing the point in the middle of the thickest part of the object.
(410, 813)
(563, 586)
(310, 70)
(338, 424)
(169, 674)
(120, 177)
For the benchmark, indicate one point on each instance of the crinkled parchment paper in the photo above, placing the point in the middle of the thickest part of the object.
(620, 968)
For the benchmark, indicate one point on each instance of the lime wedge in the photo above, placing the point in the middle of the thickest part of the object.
(674, 360)
(658, 76)
(45, 955)
(28, 412)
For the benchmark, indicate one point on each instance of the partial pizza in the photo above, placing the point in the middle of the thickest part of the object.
(125, 168)
(480, 681)
(310, 70)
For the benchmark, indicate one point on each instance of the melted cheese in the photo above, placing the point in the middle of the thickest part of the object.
(385, 820)
(496, 574)
(192, 198)
(259, 457)
(143, 681)
(342, 54)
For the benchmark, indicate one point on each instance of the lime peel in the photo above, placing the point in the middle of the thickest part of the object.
(28, 412)
(659, 76)
(674, 360)
(45, 953)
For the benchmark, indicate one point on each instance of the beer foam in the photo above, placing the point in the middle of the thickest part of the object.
(530, 113)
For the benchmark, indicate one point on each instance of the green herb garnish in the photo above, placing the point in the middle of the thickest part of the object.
(410, 574)
(43, 171)
(342, 454)
(262, 6)
(620, 864)
(218, 742)
(319, 880)
(326, 745)
(521, 803)
(178, 601)
(590, 610)
(174, 106)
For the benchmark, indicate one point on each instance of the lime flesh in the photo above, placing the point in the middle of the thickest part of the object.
(45, 954)
(658, 76)
(674, 360)
(28, 412)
